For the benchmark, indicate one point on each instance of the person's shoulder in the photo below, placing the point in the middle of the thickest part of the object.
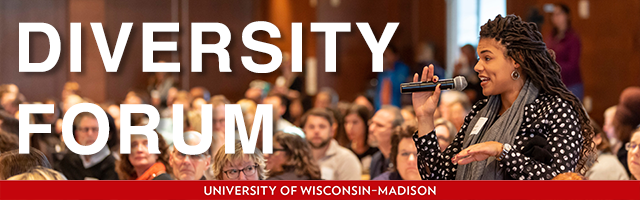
(163, 176)
(344, 152)
(384, 176)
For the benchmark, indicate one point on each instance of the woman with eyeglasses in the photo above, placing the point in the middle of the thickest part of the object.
(633, 157)
(625, 120)
(404, 156)
(141, 164)
(239, 166)
(291, 159)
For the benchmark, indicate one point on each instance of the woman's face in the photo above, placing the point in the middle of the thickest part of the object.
(406, 159)
(494, 69)
(277, 159)
(140, 156)
(244, 169)
(355, 127)
(559, 19)
(633, 157)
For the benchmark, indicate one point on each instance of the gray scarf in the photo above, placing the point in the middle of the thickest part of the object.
(502, 130)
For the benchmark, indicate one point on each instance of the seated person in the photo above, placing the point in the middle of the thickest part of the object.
(100, 165)
(39, 173)
(404, 156)
(142, 165)
(335, 161)
(238, 166)
(291, 159)
(633, 157)
(189, 167)
(13, 163)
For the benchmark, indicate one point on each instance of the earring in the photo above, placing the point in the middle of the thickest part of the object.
(515, 75)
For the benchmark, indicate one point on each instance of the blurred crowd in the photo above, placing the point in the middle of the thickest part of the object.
(320, 137)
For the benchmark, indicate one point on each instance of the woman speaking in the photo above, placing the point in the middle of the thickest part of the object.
(530, 128)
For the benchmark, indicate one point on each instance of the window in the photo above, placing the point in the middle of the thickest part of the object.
(464, 18)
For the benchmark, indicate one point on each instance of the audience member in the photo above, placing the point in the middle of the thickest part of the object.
(445, 131)
(425, 56)
(404, 156)
(39, 173)
(279, 108)
(608, 128)
(238, 166)
(218, 103)
(626, 119)
(291, 159)
(382, 126)
(633, 157)
(326, 98)
(8, 141)
(393, 74)
(100, 165)
(189, 167)
(365, 101)
(13, 163)
(409, 115)
(607, 166)
(142, 165)
(565, 42)
(454, 106)
(465, 67)
(355, 123)
(336, 162)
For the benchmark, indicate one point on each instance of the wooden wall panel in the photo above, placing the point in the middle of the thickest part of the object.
(34, 85)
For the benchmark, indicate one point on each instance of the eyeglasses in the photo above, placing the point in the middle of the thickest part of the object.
(181, 156)
(87, 129)
(630, 146)
(248, 171)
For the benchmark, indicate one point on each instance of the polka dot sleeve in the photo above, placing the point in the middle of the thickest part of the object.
(561, 127)
(431, 159)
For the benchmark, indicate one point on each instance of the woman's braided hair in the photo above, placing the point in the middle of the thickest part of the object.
(524, 44)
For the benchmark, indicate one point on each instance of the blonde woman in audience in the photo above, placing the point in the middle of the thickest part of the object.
(39, 173)
(238, 166)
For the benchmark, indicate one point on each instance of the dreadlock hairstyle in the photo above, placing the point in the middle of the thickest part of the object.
(524, 44)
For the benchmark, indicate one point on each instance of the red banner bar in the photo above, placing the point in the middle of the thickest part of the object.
(308, 190)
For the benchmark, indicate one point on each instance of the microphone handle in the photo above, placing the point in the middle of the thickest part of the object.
(408, 88)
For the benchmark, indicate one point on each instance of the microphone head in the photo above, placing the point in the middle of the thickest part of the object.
(459, 83)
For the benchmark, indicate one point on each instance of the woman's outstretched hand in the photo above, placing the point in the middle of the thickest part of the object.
(425, 103)
(478, 152)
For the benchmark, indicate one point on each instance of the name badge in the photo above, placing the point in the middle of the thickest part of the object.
(479, 124)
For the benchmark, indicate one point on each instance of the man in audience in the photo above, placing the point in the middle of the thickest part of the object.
(382, 126)
(326, 98)
(100, 165)
(189, 167)
(336, 162)
(454, 106)
(279, 108)
(218, 102)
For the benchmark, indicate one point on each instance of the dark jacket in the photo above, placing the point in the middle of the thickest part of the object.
(290, 175)
(72, 168)
(379, 165)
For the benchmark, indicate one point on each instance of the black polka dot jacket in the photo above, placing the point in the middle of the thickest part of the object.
(548, 116)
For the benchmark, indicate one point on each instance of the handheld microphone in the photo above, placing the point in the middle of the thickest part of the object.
(457, 83)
